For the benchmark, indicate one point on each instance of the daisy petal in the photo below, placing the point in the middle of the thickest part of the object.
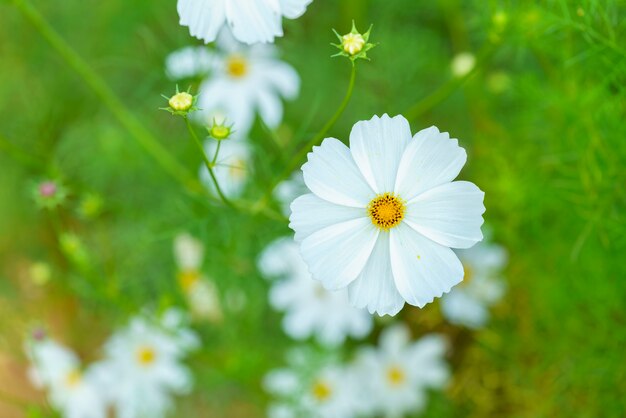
(377, 146)
(310, 214)
(282, 77)
(293, 9)
(422, 269)
(270, 108)
(430, 159)
(375, 289)
(450, 214)
(332, 175)
(337, 254)
(204, 18)
(254, 21)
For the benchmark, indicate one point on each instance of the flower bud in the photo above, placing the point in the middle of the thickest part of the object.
(219, 130)
(354, 45)
(181, 102)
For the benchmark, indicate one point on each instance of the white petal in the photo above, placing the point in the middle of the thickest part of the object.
(270, 107)
(422, 269)
(254, 21)
(460, 308)
(189, 62)
(332, 175)
(431, 159)
(310, 214)
(450, 214)
(281, 76)
(293, 9)
(377, 145)
(375, 289)
(337, 254)
(204, 18)
(394, 339)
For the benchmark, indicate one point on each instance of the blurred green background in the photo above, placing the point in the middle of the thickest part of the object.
(542, 117)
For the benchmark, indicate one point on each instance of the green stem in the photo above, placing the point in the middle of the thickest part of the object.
(297, 160)
(106, 95)
(447, 89)
(217, 151)
(209, 165)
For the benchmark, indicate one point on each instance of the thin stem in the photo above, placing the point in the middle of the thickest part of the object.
(217, 151)
(207, 163)
(448, 88)
(115, 105)
(297, 159)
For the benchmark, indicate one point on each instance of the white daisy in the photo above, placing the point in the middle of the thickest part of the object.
(468, 304)
(288, 190)
(329, 391)
(246, 80)
(310, 310)
(144, 363)
(74, 392)
(383, 213)
(250, 21)
(201, 293)
(397, 373)
(232, 166)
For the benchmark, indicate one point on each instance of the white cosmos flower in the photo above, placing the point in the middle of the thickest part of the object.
(398, 373)
(384, 213)
(201, 293)
(246, 80)
(251, 21)
(144, 365)
(310, 310)
(74, 392)
(329, 391)
(191, 61)
(468, 304)
(232, 166)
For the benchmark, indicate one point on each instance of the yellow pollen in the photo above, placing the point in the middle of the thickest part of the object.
(395, 376)
(73, 378)
(352, 43)
(386, 211)
(146, 356)
(187, 278)
(236, 66)
(321, 391)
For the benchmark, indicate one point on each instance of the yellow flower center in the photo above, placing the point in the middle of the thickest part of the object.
(468, 275)
(187, 279)
(181, 102)
(146, 356)
(321, 391)
(236, 66)
(73, 378)
(352, 43)
(395, 376)
(386, 211)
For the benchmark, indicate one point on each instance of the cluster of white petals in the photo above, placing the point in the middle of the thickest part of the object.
(251, 21)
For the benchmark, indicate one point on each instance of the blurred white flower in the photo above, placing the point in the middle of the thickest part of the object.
(384, 213)
(74, 392)
(191, 61)
(462, 64)
(232, 167)
(331, 391)
(144, 367)
(397, 374)
(251, 21)
(468, 304)
(310, 310)
(201, 293)
(288, 190)
(246, 80)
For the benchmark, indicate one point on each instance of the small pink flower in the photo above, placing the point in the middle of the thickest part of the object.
(47, 188)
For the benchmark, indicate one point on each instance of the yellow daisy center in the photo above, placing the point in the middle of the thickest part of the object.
(386, 211)
(188, 278)
(146, 356)
(395, 376)
(73, 378)
(321, 391)
(236, 66)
